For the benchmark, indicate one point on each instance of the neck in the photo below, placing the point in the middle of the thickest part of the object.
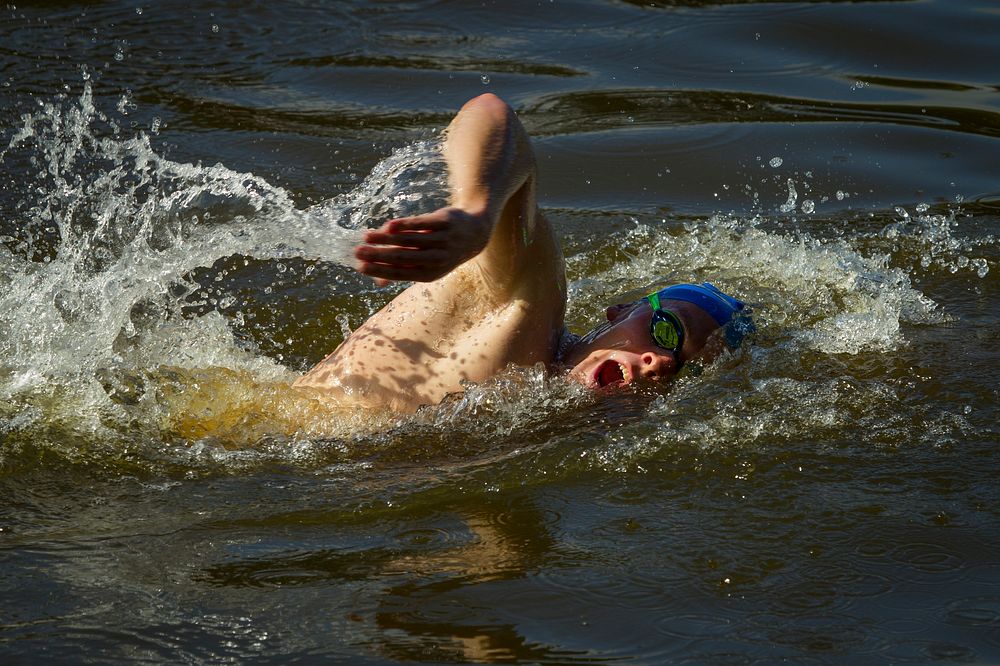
(567, 341)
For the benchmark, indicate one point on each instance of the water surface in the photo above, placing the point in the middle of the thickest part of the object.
(179, 187)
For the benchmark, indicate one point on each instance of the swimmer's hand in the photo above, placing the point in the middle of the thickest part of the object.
(422, 248)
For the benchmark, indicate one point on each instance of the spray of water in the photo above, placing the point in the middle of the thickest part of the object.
(102, 252)
(97, 258)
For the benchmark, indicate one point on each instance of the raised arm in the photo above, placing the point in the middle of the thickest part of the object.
(492, 215)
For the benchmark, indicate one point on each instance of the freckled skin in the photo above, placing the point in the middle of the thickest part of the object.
(489, 288)
(503, 295)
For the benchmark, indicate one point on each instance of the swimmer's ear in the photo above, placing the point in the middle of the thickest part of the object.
(615, 311)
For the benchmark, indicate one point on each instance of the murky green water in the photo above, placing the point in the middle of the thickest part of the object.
(178, 187)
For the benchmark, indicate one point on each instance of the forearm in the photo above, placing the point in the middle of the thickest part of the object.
(492, 213)
(489, 157)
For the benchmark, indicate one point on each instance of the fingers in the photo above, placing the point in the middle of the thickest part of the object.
(400, 255)
(418, 249)
(436, 221)
(384, 273)
(430, 222)
(413, 240)
(399, 263)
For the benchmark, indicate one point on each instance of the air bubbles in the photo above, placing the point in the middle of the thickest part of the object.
(775, 162)
(215, 27)
(841, 195)
(155, 125)
(485, 79)
(923, 207)
(808, 206)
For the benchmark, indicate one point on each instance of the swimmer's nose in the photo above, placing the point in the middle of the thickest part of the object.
(653, 365)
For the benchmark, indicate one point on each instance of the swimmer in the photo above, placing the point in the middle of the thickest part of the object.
(490, 290)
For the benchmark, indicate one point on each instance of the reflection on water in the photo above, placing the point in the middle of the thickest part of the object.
(179, 191)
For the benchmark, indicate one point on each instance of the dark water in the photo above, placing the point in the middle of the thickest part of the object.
(178, 183)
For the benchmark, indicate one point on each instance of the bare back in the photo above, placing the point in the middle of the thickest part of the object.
(433, 336)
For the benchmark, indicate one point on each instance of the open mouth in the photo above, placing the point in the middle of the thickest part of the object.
(610, 373)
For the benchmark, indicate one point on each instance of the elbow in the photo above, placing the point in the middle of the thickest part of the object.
(490, 104)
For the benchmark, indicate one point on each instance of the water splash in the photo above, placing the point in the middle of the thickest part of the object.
(793, 196)
(833, 298)
(108, 242)
(104, 236)
(931, 241)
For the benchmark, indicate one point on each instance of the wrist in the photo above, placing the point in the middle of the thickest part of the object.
(480, 207)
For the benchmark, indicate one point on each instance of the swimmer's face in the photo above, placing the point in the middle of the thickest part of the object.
(621, 351)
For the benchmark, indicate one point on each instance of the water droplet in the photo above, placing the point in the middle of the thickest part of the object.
(808, 206)
(138, 10)
(345, 324)
(922, 207)
(215, 27)
(756, 36)
(793, 196)
(841, 195)
(776, 162)
(485, 78)
(119, 56)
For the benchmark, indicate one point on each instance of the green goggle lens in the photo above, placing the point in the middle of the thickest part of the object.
(665, 334)
(665, 327)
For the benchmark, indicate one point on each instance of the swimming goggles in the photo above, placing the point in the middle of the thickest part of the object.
(666, 328)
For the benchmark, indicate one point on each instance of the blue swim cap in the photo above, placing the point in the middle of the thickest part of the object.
(730, 314)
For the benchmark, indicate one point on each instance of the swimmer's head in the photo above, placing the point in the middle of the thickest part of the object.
(655, 336)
